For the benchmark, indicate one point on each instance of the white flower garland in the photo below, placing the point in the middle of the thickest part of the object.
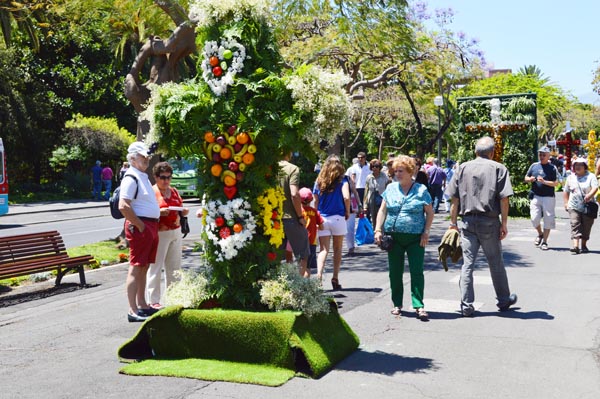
(237, 209)
(230, 67)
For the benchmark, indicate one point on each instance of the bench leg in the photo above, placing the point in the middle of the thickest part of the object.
(81, 276)
(59, 275)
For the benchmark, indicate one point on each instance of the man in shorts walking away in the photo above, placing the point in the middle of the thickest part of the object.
(139, 206)
(479, 191)
(543, 177)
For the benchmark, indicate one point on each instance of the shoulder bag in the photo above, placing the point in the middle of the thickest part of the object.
(590, 208)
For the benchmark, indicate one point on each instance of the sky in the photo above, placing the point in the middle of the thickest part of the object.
(559, 37)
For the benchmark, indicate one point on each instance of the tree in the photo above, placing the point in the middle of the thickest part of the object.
(28, 16)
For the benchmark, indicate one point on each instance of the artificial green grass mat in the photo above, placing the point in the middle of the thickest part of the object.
(212, 370)
(254, 340)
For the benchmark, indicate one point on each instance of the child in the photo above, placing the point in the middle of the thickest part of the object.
(313, 220)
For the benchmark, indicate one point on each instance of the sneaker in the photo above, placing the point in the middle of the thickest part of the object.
(544, 246)
(538, 240)
(574, 251)
(584, 250)
(512, 299)
(467, 311)
(132, 318)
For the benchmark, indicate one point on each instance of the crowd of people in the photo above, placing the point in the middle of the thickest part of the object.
(398, 197)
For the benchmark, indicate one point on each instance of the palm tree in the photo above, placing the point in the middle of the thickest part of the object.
(534, 70)
(26, 16)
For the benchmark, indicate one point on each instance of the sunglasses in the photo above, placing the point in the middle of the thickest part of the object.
(165, 177)
(377, 166)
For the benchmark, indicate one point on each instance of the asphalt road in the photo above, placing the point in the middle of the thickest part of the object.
(64, 345)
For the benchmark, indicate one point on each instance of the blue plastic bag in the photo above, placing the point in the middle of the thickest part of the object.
(364, 232)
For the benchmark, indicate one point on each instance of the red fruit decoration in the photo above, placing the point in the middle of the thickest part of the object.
(271, 256)
(232, 130)
(274, 215)
(224, 232)
(230, 191)
(219, 221)
(233, 166)
(217, 71)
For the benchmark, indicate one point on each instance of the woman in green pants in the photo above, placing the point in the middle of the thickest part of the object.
(406, 215)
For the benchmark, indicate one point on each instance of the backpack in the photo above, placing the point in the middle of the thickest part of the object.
(113, 202)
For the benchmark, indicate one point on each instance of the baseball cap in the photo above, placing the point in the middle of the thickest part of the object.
(580, 160)
(544, 149)
(305, 194)
(138, 147)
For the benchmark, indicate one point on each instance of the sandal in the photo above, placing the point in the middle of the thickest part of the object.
(335, 284)
(422, 314)
(396, 311)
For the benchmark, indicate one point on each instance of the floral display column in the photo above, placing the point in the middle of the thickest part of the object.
(242, 113)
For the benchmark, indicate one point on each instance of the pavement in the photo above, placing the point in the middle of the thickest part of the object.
(63, 343)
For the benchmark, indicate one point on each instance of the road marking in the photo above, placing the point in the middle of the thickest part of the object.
(91, 231)
(446, 305)
(477, 279)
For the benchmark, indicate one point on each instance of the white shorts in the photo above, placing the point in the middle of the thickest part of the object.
(334, 226)
(543, 207)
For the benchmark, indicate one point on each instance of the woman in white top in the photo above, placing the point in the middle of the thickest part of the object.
(580, 187)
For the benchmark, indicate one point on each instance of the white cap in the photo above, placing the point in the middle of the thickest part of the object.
(138, 147)
(580, 160)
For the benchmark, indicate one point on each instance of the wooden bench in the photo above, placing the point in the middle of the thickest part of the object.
(26, 254)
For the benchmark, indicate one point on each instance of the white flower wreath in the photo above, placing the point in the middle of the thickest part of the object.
(231, 55)
(237, 209)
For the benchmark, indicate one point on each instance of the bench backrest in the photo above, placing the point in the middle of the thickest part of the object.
(31, 246)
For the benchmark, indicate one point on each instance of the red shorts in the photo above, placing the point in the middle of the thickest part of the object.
(142, 246)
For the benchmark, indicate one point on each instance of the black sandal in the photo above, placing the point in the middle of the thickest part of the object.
(335, 284)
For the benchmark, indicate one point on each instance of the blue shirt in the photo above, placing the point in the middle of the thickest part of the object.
(405, 213)
(332, 203)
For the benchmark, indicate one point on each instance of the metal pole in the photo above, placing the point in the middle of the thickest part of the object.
(439, 141)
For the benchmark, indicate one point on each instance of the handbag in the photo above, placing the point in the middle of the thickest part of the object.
(590, 209)
(185, 227)
(387, 241)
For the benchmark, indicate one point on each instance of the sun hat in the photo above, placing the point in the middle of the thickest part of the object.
(305, 195)
(138, 147)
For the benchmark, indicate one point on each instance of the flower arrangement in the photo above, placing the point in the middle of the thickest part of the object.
(190, 290)
(321, 93)
(205, 13)
(592, 146)
(284, 288)
(230, 226)
(271, 203)
(221, 62)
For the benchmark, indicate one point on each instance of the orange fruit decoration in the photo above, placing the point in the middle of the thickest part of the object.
(276, 225)
(237, 227)
(209, 137)
(248, 158)
(225, 153)
(214, 61)
(229, 181)
(216, 170)
(243, 138)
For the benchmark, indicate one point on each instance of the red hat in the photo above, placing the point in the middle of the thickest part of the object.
(305, 195)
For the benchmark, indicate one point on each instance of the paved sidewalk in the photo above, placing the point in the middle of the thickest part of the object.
(547, 347)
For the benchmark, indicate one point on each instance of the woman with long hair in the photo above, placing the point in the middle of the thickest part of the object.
(332, 199)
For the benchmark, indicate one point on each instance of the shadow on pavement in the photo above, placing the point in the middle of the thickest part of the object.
(514, 313)
(385, 363)
(11, 300)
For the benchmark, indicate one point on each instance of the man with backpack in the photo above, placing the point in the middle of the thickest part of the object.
(140, 208)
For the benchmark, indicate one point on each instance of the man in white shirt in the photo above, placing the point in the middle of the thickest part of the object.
(140, 208)
(359, 174)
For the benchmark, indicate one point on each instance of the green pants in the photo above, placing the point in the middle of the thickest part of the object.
(409, 244)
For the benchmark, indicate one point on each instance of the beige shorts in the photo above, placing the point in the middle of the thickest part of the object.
(543, 208)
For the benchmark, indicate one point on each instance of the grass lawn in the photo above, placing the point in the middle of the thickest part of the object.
(104, 252)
